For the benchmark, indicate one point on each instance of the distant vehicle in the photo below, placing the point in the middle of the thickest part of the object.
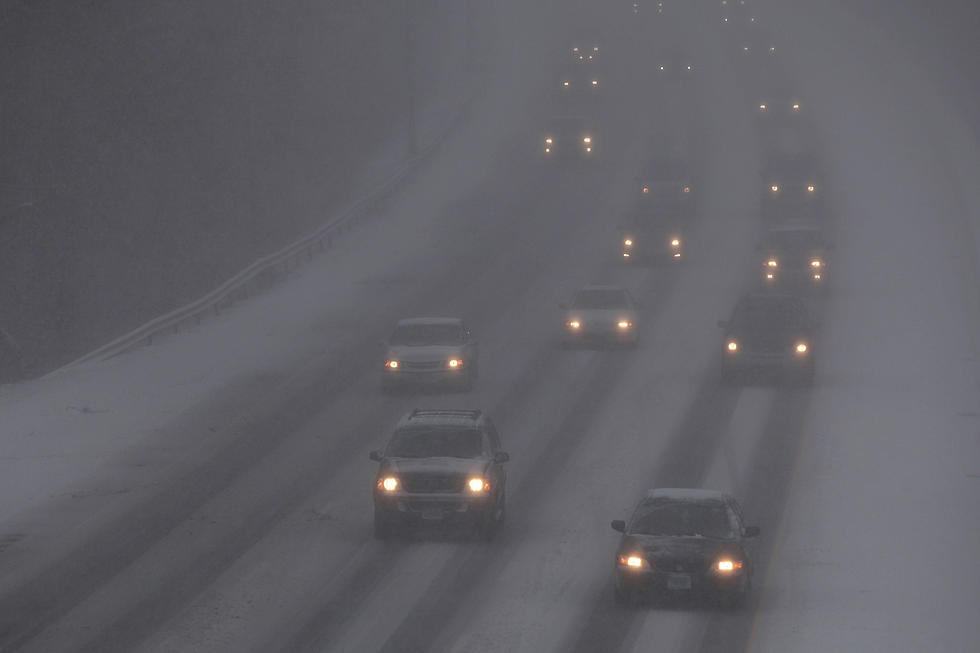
(650, 239)
(605, 314)
(665, 186)
(768, 332)
(779, 106)
(578, 84)
(794, 256)
(792, 186)
(684, 542)
(671, 63)
(430, 351)
(569, 137)
(585, 52)
(441, 467)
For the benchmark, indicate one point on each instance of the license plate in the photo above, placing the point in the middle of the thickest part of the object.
(678, 582)
(433, 514)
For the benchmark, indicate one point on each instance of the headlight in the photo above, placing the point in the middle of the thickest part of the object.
(811, 188)
(796, 106)
(624, 324)
(574, 324)
(565, 84)
(628, 242)
(587, 139)
(646, 190)
(774, 188)
(595, 82)
(455, 362)
(687, 190)
(393, 365)
(728, 566)
(634, 562)
(388, 484)
(801, 348)
(661, 68)
(762, 107)
(675, 242)
(478, 485)
(816, 263)
(732, 346)
(772, 263)
(548, 140)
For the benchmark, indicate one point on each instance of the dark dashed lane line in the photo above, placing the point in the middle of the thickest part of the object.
(767, 490)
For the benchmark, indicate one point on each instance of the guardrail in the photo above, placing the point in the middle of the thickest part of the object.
(265, 271)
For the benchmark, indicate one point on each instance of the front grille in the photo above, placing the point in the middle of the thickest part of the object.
(441, 506)
(424, 366)
(680, 565)
(432, 483)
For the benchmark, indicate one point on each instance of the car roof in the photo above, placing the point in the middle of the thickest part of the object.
(442, 417)
(430, 321)
(686, 494)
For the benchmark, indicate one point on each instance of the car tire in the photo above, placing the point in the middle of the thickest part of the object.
(624, 598)
(383, 528)
(491, 521)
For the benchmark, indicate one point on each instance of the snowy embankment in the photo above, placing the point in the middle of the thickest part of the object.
(878, 550)
(57, 431)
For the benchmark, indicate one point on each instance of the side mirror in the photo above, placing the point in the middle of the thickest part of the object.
(722, 324)
(752, 531)
(375, 456)
(501, 457)
(618, 525)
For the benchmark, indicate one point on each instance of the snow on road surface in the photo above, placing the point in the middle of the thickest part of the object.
(865, 486)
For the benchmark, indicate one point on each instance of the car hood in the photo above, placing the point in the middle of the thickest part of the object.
(772, 339)
(462, 466)
(424, 353)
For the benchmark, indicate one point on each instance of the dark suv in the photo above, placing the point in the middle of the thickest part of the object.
(441, 467)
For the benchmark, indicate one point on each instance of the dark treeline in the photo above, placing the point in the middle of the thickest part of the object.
(148, 151)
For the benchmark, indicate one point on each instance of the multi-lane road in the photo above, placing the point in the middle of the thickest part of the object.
(239, 518)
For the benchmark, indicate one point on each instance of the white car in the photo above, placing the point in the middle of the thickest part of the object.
(430, 351)
(605, 314)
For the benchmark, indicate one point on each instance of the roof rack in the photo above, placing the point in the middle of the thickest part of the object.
(462, 412)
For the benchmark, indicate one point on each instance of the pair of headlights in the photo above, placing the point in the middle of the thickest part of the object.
(452, 363)
(574, 325)
(475, 484)
(636, 562)
(814, 263)
(674, 242)
(800, 348)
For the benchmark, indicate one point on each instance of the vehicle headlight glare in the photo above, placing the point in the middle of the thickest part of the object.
(732, 346)
(455, 362)
(801, 348)
(633, 562)
(389, 484)
(774, 188)
(628, 242)
(675, 242)
(624, 324)
(548, 140)
(574, 324)
(773, 263)
(728, 565)
(478, 485)
(587, 139)
(816, 263)
(392, 365)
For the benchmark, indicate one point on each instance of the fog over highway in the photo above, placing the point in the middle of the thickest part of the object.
(211, 490)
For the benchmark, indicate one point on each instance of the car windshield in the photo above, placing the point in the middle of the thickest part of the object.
(683, 518)
(566, 125)
(436, 443)
(766, 315)
(414, 335)
(665, 170)
(600, 298)
(794, 241)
